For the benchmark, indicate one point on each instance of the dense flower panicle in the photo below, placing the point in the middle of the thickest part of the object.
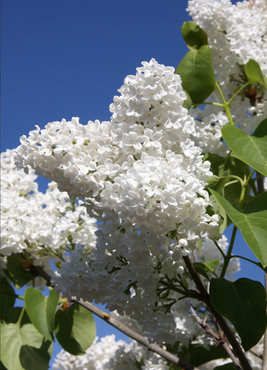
(144, 169)
(112, 355)
(118, 355)
(128, 272)
(42, 226)
(143, 179)
(236, 33)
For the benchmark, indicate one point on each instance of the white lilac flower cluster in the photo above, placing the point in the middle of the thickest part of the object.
(236, 33)
(112, 355)
(42, 226)
(141, 166)
(132, 280)
(118, 355)
(143, 179)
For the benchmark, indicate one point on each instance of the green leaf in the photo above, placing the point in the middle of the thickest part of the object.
(188, 102)
(36, 358)
(232, 191)
(7, 297)
(213, 181)
(198, 355)
(41, 310)
(249, 149)
(196, 71)
(16, 273)
(253, 72)
(193, 35)
(243, 302)
(204, 268)
(16, 338)
(211, 265)
(226, 185)
(217, 163)
(75, 329)
(201, 269)
(252, 223)
(2, 367)
(12, 315)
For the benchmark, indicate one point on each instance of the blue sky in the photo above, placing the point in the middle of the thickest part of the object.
(66, 58)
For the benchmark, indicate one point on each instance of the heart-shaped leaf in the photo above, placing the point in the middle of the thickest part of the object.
(197, 74)
(16, 272)
(198, 355)
(211, 265)
(7, 297)
(243, 302)
(249, 149)
(251, 223)
(193, 35)
(41, 310)
(75, 329)
(18, 340)
(253, 72)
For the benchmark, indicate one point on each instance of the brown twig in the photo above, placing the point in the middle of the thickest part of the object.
(223, 324)
(217, 338)
(153, 347)
(135, 336)
(38, 270)
(256, 354)
(207, 328)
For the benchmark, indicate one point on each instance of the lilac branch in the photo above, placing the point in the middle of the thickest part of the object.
(217, 338)
(153, 347)
(222, 323)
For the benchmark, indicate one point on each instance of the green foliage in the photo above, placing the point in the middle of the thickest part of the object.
(188, 102)
(251, 222)
(196, 71)
(16, 272)
(2, 367)
(7, 297)
(253, 72)
(204, 268)
(19, 340)
(27, 335)
(35, 358)
(75, 329)
(200, 268)
(243, 302)
(223, 182)
(249, 149)
(228, 186)
(198, 355)
(41, 310)
(211, 265)
(193, 35)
